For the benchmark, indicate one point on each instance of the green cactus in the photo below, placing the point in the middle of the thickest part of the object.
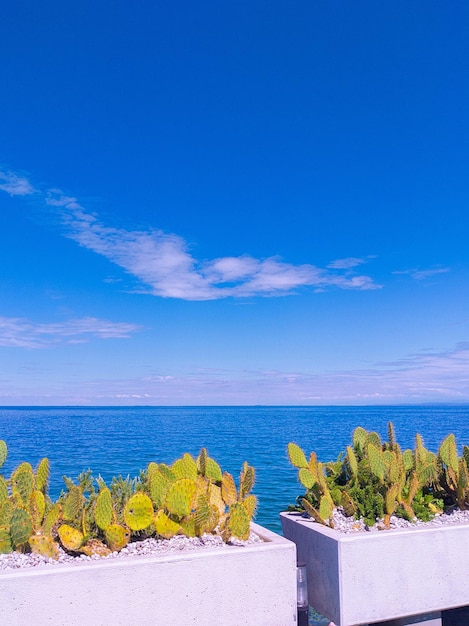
(375, 480)
(138, 512)
(71, 538)
(165, 526)
(5, 540)
(185, 467)
(229, 492)
(42, 475)
(103, 511)
(180, 497)
(238, 521)
(22, 483)
(3, 452)
(21, 527)
(44, 545)
(73, 503)
(117, 537)
(3, 490)
(296, 455)
(158, 487)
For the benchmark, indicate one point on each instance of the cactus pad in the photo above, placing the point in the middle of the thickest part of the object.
(138, 512)
(306, 477)
(117, 537)
(239, 521)
(216, 499)
(5, 541)
(6, 511)
(71, 538)
(95, 547)
(248, 476)
(42, 475)
(22, 482)
(185, 467)
(37, 507)
(213, 470)
(3, 452)
(103, 512)
(250, 504)
(449, 453)
(44, 545)
(3, 489)
(188, 526)
(228, 489)
(51, 519)
(159, 486)
(180, 497)
(296, 455)
(73, 503)
(165, 526)
(21, 527)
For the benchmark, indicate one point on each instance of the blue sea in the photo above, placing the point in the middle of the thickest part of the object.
(121, 441)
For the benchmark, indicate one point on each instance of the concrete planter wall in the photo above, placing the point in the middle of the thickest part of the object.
(372, 577)
(253, 585)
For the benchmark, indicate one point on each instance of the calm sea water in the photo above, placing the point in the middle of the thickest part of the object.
(113, 441)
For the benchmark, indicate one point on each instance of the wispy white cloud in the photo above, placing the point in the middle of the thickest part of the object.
(18, 332)
(165, 267)
(419, 274)
(416, 378)
(15, 184)
(348, 263)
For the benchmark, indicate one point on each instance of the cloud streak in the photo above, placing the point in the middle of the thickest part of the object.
(418, 274)
(18, 332)
(165, 267)
(415, 379)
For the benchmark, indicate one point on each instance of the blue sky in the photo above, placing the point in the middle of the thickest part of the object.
(234, 203)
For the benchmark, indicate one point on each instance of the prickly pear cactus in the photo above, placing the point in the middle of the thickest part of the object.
(117, 537)
(95, 547)
(22, 483)
(165, 526)
(185, 467)
(3, 490)
(138, 512)
(71, 538)
(21, 527)
(5, 540)
(37, 508)
(228, 489)
(44, 545)
(239, 521)
(103, 512)
(42, 475)
(3, 452)
(296, 455)
(159, 487)
(180, 497)
(73, 503)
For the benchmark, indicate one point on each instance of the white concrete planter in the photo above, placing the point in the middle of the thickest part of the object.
(372, 577)
(253, 585)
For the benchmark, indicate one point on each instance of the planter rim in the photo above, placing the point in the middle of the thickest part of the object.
(270, 541)
(374, 534)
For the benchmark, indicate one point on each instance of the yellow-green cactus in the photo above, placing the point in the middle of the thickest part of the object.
(3, 452)
(180, 497)
(138, 512)
(71, 538)
(164, 526)
(103, 510)
(117, 537)
(5, 540)
(44, 545)
(21, 527)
